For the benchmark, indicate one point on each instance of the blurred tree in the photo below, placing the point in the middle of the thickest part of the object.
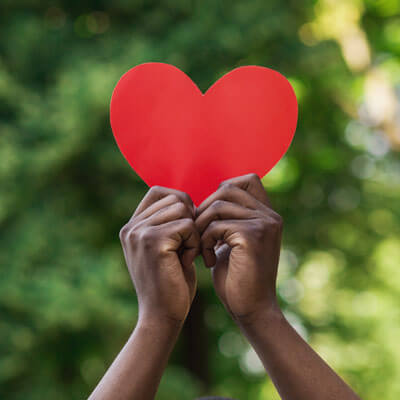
(66, 300)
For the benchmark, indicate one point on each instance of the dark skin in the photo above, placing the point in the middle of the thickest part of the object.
(239, 236)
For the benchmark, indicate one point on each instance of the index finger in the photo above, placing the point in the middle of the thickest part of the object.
(232, 193)
(252, 184)
(157, 193)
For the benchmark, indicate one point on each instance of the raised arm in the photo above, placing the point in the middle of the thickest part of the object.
(238, 219)
(160, 243)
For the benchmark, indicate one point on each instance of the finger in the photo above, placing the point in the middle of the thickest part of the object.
(185, 236)
(252, 184)
(224, 230)
(159, 205)
(233, 194)
(171, 212)
(220, 210)
(191, 246)
(158, 192)
(220, 270)
(190, 275)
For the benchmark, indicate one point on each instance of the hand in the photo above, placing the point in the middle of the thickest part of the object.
(160, 242)
(240, 240)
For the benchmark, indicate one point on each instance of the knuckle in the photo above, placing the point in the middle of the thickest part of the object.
(123, 233)
(225, 182)
(155, 189)
(279, 221)
(276, 223)
(229, 186)
(186, 198)
(173, 197)
(259, 228)
(180, 208)
(145, 237)
(188, 223)
(132, 236)
(208, 231)
(226, 188)
(218, 204)
(211, 229)
(212, 225)
(253, 177)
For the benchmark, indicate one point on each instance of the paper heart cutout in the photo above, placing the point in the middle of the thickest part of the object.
(173, 135)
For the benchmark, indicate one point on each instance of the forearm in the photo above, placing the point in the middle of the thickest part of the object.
(295, 368)
(136, 372)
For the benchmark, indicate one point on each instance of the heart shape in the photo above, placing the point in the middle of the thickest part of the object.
(174, 135)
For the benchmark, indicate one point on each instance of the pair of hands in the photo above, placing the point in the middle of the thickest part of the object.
(239, 237)
(234, 229)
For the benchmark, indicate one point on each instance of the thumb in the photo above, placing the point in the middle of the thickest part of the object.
(220, 270)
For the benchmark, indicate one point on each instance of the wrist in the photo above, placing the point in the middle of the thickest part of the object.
(159, 323)
(266, 316)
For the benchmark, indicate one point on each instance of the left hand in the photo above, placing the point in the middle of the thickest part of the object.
(160, 242)
(240, 241)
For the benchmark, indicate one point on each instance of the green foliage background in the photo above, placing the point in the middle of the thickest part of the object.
(66, 301)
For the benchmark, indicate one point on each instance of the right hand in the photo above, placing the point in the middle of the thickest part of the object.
(160, 243)
(241, 239)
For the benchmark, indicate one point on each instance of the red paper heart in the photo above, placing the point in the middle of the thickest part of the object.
(173, 135)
